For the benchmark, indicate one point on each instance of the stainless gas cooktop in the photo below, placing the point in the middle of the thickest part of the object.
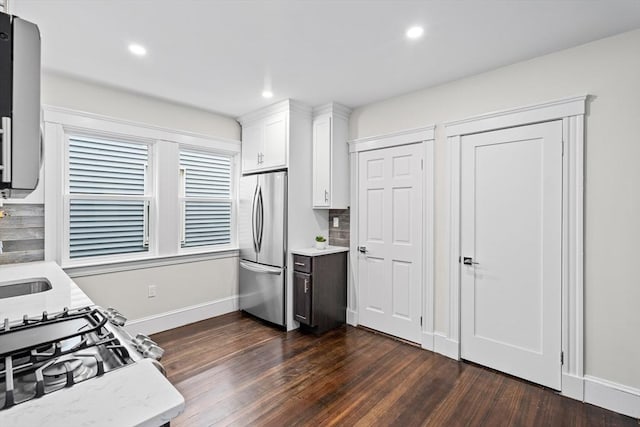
(48, 353)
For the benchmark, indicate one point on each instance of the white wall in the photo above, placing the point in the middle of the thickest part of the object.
(608, 69)
(62, 91)
(178, 285)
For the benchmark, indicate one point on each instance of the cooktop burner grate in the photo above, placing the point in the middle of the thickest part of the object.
(48, 353)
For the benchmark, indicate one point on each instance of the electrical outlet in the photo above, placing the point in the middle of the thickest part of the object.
(336, 222)
(152, 291)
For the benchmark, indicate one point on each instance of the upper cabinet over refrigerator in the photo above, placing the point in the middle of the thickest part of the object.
(265, 142)
(20, 139)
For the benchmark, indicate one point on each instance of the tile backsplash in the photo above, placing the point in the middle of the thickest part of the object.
(339, 236)
(21, 233)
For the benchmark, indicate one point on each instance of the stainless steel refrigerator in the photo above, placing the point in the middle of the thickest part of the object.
(262, 231)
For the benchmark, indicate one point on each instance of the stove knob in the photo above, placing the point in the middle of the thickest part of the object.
(111, 311)
(118, 319)
(115, 316)
(142, 337)
(143, 343)
(139, 339)
(154, 352)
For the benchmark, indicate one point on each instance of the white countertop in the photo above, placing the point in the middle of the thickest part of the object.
(134, 395)
(123, 397)
(64, 292)
(317, 252)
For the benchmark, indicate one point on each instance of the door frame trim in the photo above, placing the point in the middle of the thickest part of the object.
(571, 111)
(426, 137)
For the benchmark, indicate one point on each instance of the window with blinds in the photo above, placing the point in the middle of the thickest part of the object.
(206, 198)
(108, 204)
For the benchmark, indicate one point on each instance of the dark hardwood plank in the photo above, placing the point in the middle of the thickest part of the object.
(234, 370)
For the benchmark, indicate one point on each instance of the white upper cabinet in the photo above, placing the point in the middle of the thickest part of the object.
(252, 143)
(321, 161)
(330, 157)
(265, 138)
(274, 153)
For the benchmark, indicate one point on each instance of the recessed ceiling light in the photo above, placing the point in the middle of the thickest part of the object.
(137, 49)
(415, 32)
(267, 94)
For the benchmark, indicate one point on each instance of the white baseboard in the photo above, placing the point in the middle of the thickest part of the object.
(573, 386)
(183, 316)
(613, 396)
(428, 341)
(446, 346)
(352, 317)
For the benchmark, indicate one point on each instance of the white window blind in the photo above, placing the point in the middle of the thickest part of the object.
(107, 193)
(206, 198)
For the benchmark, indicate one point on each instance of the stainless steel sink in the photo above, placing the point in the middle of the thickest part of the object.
(24, 287)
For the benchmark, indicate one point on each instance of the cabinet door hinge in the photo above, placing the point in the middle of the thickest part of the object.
(563, 144)
(562, 357)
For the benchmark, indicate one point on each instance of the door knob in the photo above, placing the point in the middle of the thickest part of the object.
(468, 261)
(362, 249)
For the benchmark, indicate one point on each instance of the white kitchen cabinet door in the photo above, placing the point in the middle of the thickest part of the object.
(264, 144)
(322, 162)
(252, 143)
(331, 157)
(274, 154)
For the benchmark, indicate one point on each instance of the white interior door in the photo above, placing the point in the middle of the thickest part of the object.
(390, 228)
(511, 229)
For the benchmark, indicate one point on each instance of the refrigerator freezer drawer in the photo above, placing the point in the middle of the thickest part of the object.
(262, 291)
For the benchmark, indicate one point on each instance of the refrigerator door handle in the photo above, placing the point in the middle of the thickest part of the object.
(5, 144)
(261, 222)
(254, 220)
(257, 268)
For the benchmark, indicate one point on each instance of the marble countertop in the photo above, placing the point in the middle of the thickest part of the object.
(64, 292)
(317, 252)
(134, 395)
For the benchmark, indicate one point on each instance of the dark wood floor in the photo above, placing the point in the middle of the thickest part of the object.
(233, 370)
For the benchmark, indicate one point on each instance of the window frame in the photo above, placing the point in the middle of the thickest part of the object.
(61, 124)
(148, 198)
(233, 198)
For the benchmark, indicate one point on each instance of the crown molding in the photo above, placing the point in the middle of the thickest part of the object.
(82, 119)
(334, 109)
(287, 105)
(403, 137)
(550, 110)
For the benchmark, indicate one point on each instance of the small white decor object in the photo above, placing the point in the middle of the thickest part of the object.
(321, 242)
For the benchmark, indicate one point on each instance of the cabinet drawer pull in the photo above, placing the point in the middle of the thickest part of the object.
(301, 264)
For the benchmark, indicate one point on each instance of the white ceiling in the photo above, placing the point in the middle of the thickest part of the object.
(217, 54)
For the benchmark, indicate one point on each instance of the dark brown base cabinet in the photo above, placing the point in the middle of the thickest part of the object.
(320, 291)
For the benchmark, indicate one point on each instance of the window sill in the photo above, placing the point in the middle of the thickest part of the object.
(160, 261)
